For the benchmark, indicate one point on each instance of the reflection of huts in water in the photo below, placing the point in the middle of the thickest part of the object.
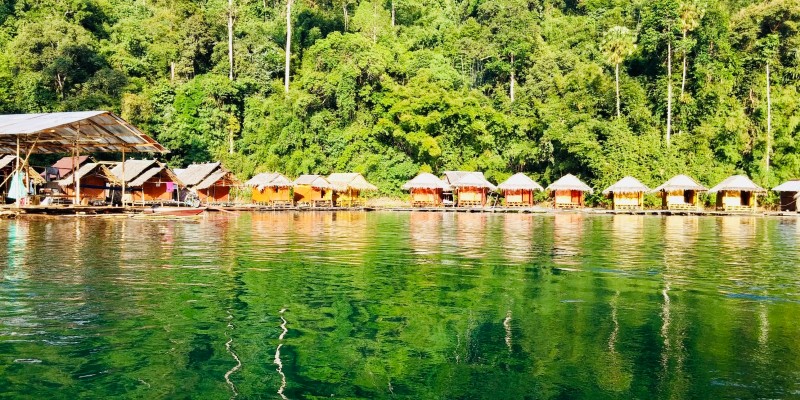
(788, 194)
(425, 232)
(95, 181)
(567, 237)
(471, 234)
(147, 181)
(737, 233)
(568, 192)
(210, 181)
(627, 238)
(426, 190)
(8, 164)
(271, 188)
(680, 193)
(471, 188)
(347, 189)
(627, 194)
(737, 193)
(313, 190)
(313, 228)
(518, 190)
(518, 236)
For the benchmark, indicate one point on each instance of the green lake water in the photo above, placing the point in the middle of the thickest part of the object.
(400, 305)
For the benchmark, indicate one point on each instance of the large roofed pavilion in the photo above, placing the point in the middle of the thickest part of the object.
(67, 132)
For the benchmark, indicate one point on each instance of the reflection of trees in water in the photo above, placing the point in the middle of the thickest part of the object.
(613, 372)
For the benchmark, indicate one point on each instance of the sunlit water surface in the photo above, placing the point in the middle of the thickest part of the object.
(400, 305)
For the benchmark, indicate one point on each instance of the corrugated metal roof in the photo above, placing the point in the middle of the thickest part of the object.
(89, 131)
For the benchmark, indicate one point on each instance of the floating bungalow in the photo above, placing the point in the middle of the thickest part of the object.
(680, 193)
(210, 181)
(471, 188)
(95, 180)
(627, 194)
(788, 192)
(348, 187)
(568, 192)
(147, 181)
(426, 190)
(737, 193)
(518, 190)
(271, 188)
(313, 190)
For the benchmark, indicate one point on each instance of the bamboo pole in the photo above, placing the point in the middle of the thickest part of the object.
(122, 195)
(75, 181)
(16, 171)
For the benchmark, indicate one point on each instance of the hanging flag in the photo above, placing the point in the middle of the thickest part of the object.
(17, 189)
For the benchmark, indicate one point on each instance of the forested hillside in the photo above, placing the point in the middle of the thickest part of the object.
(599, 88)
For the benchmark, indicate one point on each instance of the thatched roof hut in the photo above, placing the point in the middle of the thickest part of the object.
(91, 169)
(737, 183)
(313, 190)
(153, 179)
(569, 182)
(271, 188)
(315, 181)
(344, 182)
(789, 192)
(426, 180)
(680, 183)
(211, 181)
(520, 181)
(471, 187)
(269, 179)
(627, 184)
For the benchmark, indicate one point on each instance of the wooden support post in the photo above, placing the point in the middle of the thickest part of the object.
(122, 195)
(76, 182)
(16, 171)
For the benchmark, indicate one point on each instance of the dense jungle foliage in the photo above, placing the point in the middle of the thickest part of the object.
(389, 88)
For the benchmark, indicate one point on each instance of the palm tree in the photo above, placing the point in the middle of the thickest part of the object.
(690, 15)
(618, 43)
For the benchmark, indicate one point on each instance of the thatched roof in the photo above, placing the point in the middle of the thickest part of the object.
(203, 176)
(519, 181)
(467, 179)
(738, 183)
(269, 179)
(679, 183)
(315, 181)
(11, 160)
(346, 181)
(137, 172)
(627, 184)
(91, 169)
(6, 160)
(426, 181)
(570, 182)
(788, 186)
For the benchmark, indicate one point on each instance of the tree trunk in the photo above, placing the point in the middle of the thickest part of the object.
(375, 23)
(392, 13)
(616, 79)
(288, 43)
(683, 74)
(230, 39)
(346, 15)
(669, 91)
(769, 122)
(511, 89)
(230, 142)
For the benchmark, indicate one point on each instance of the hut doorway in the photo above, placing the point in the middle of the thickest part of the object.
(688, 197)
(746, 198)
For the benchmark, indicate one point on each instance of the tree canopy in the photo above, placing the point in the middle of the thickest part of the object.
(392, 88)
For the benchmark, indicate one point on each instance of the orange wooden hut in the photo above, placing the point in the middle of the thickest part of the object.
(348, 188)
(426, 190)
(271, 188)
(680, 193)
(788, 193)
(95, 181)
(147, 181)
(568, 192)
(210, 181)
(313, 190)
(518, 190)
(737, 193)
(471, 188)
(627, 194)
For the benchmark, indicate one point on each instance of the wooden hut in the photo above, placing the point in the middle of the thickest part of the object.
(271, 188)
(568, 192)
(737, 193)
(210, 181)
(313, 190)
(95, 180)
(147, 181)
(471, 188)
(348, 187)
(788, 192)
(627, 194)
(426, 190)
(63, 167)
(680, 193)
(518, 190)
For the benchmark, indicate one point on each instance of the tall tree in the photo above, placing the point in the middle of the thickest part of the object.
(690, 15)
(288, 44)
(619, 43)
(230, 39)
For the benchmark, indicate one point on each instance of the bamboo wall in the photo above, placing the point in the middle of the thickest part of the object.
(270, 194)
(427, 196)
(568, 197)
(89, 193)
(306, 193)
(517, 197)
(471, 194)
(627, 200)
(215, 193)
